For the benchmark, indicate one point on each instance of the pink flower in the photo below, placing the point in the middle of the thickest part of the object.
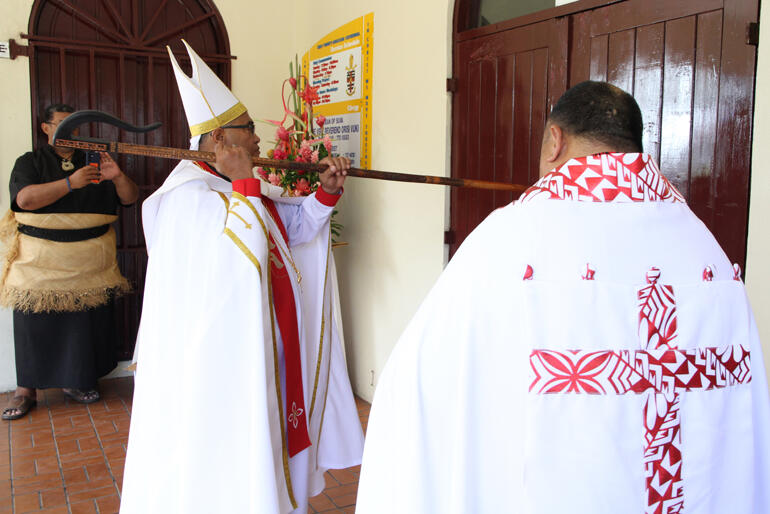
(293, 82)
(320, 120)
(262, 172)
(279, 154)
(314, 156)
(328, 143)
(306, 151)
(303, 186)
(282, 134)
(274, 179)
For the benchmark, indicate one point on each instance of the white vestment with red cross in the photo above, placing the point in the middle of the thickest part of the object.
(589, 349)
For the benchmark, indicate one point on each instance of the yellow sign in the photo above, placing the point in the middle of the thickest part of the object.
(340, 65)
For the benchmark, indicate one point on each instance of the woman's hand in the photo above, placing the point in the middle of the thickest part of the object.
(109, 168)
(83, 176)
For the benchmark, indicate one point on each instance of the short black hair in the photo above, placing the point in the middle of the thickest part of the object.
(601, 112)
(52, 109)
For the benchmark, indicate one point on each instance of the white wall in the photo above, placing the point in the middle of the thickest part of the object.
(395, 230)
(758, 258)
(15, 139)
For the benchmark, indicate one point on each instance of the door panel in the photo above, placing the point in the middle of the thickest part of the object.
(674, 58)
(508, 83)
(687, 64)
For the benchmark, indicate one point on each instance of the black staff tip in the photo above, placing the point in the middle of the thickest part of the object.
(78, 118)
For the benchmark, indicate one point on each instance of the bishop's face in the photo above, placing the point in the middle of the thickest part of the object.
(240, 132)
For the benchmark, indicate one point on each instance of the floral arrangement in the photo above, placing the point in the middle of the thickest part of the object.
(294, 136)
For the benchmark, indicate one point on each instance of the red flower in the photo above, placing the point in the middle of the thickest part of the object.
(310, 94)
(293, 82)
(320, 120)
(279, 154)
(303, 186)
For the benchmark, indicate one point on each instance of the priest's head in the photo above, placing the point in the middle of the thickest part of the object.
(590, 118)
(238, 132)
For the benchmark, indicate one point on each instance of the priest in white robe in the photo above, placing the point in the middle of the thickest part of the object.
(242, 399)
(589, 349)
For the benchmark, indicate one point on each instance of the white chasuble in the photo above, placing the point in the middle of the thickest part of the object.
(589, 349)
(210, 427)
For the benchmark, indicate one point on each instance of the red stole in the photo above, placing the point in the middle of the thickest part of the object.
(286, 312)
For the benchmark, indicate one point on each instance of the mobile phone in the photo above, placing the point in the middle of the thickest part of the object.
(95, 160)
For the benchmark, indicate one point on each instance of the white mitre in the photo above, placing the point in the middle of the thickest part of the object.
(208, 103)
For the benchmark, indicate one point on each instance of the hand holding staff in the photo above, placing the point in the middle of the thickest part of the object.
(63, 138)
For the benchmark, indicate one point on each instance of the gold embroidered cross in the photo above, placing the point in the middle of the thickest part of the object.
(231, 211)
(273, 257)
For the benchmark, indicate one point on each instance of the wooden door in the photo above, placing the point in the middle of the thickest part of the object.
(507, 84)
(690, 68)
(111, 55)
(692, 72)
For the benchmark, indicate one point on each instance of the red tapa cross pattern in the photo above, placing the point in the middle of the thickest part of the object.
(659, 370)
(606, 177)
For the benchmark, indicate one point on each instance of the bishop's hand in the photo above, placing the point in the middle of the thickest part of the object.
(334, 176)
(234, 162)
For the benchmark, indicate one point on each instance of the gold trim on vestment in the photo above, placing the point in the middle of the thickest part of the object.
(276, 364)
(323, 323)
(40, 275)
(277, 373)
(287, 251)
(224, 199)
(218, 120)
(328, 377)
(244, 249)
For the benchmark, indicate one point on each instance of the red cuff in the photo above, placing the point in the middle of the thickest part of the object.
(247, 187)
(327, 199)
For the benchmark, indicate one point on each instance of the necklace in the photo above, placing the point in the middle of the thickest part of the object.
(67, 165)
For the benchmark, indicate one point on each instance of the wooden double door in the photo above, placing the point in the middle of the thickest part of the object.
(689, 63)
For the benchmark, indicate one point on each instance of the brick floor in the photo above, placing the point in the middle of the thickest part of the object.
(64, 457)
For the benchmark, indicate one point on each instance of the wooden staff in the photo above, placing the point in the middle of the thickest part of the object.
(165, 152)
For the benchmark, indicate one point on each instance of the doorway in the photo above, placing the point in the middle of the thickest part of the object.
(111, 55)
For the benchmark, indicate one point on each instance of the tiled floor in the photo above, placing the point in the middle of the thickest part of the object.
(64, 457)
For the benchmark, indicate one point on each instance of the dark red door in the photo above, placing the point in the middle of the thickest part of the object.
(110, 55)
(691, 70)
(507, 84)
(689, 66)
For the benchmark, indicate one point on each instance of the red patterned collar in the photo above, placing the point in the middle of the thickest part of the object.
(605, 177)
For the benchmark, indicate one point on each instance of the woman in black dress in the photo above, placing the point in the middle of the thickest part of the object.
(61, 276)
